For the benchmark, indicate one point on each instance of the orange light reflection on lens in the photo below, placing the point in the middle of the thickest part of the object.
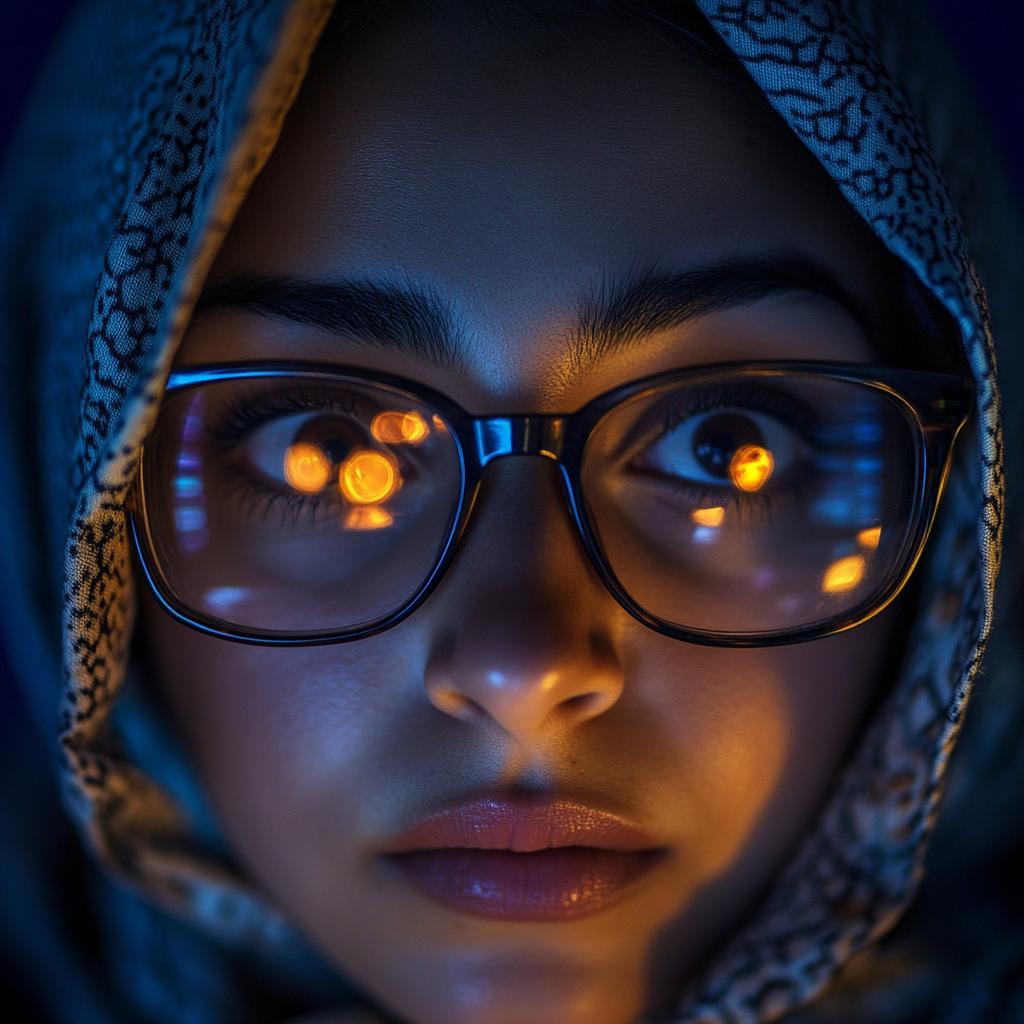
(708, 516)
(368, 478)
(843, 574)
(306, 468)
(414, 428)
(393, 427)
(368, 517)
(870, 538)
(751, 467)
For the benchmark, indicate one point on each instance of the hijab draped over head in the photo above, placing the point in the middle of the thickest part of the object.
(147, 127)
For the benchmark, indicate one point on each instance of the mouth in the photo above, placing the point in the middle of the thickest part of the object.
(518, 860)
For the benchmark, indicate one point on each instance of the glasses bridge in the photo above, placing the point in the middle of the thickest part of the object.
(519, 435)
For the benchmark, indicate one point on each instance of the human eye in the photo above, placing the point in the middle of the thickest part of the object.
(309, 454)
(734, 442)
(751, 498)
(300, 503)
(323, 453)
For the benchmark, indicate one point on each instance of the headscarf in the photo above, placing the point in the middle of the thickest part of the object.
(146, 130)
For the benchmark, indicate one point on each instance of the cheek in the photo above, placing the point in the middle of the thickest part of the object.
(715, 743)
(741, 745)
(285, 740)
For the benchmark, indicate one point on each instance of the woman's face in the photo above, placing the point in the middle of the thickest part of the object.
(520, 704)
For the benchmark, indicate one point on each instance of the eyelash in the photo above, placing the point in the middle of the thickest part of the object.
(246, 414)
(242, 417)
(793, 413)
(757, 399)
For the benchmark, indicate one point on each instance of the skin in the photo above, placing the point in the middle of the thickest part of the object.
(511, 184)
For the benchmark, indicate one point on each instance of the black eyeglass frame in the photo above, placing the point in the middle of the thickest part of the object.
(935, 405)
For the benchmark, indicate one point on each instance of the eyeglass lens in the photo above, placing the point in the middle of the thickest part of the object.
(297, 505)
(752, 504)
(734, 504)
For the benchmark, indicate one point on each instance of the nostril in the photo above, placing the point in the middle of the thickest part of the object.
(580, 700)
(458, 705)
(582, 704)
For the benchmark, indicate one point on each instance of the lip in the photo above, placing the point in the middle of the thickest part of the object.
(524, 860)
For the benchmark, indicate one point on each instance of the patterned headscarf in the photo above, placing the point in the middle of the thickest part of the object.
(148, 128)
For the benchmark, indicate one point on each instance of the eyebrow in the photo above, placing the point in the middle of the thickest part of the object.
(391, 315)
(617, 314)
(624, 311)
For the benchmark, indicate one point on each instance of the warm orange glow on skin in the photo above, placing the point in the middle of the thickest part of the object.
(708, 516)
(306, 468)
(392, 427)
(751, 467)
(368, 517)
(367, 478)
(870, 538)
(843, 574)
(549, 681)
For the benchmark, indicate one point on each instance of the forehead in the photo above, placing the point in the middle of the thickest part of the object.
(511, 178)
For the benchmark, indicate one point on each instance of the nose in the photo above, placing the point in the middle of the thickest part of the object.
(527, 636)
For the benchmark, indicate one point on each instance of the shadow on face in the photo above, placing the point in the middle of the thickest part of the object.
(516, 186)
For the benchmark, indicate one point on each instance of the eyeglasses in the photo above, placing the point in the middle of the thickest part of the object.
(739, 505)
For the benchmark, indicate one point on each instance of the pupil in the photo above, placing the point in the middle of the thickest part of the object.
(715, 441)
(336, 449)
(335, 436)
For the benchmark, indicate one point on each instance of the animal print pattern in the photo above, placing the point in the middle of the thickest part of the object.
(244, 64)
(858, 867)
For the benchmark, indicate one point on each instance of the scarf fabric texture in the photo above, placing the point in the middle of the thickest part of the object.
(147, 128)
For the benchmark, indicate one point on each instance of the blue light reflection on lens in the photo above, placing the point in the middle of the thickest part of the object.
(189, 500)
(851, 461)
(223, 599)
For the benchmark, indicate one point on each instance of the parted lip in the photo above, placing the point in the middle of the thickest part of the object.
(522, 825)
(540, 860)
